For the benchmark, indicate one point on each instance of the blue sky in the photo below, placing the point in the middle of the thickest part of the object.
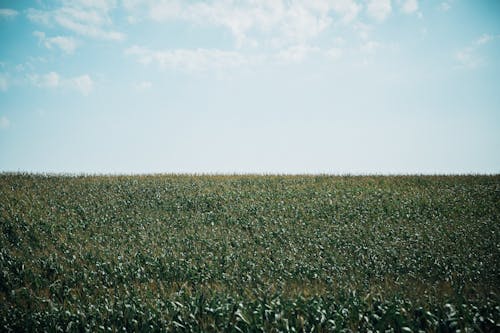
(261, 86)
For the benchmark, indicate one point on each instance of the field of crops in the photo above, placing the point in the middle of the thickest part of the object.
(249, 253)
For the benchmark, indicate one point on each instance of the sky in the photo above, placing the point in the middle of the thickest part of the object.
(256, 86)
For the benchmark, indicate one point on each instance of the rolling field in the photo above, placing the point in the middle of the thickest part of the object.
(249, 253)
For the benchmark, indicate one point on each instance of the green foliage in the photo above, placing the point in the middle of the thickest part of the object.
(249, 253)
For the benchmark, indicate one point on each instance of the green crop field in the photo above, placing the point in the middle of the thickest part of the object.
(249, 253)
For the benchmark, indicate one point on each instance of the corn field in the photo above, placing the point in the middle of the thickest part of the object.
(249, 253)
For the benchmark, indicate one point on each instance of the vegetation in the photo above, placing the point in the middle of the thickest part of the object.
(249, 253)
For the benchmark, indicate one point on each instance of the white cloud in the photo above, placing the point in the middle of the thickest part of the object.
(348, 10)
(190, 60)
(132, 19)
(104, 5)
(199, 60)
(83, 84)
(132, 5)
(39, 34)
(290, 23)
(445, 6)
(142, 86)
(295, 54)
(379, 9)
(87, 18)
(370, 47)
(165, 10)
(6, 13)
(485, 38)
(302, 24)
(86, 23)
(334, 53)
(39, 16)
(49, 80)
(66, 44)
(363, 30)
(4, 122)
(470, 56)
(409, 6)
(4, 85)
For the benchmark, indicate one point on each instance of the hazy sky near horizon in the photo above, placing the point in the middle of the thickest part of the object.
(318, 86)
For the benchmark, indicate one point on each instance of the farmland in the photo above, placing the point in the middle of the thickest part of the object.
(249, 253)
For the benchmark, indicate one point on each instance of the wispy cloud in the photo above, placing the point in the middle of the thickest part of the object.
(295, 54)
(379, 9)
(261, 21)
(190, 60)
(409, 6)
(143, 85)
(4, 85)
(86, 18)
(200, 60)
(6, 13)
(66, 44)
(334, 53)
(370, 47)
(445, 6)
(363, 30)
(470, 56)
(49, 80)
(83, 84)
(485, 38)
(4, 122)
